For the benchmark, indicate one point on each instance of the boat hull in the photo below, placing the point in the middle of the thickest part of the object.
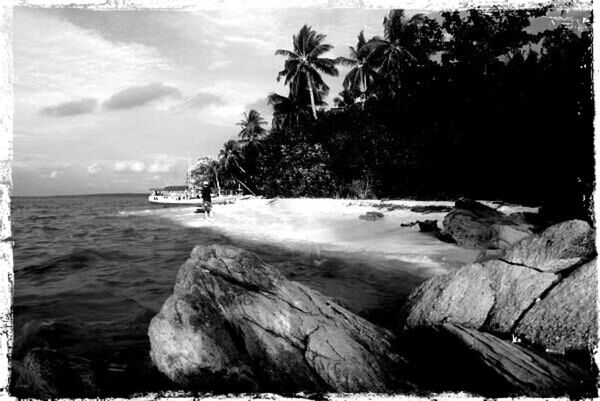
(170, 200)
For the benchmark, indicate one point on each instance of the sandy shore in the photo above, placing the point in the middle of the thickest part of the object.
(333, 224)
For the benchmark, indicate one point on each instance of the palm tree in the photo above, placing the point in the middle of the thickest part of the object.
(398, 46)
(229, 160)
(252, 129)
(363, 74)
(291, 110)
(303, 65)
(345, 98)
(230, 156)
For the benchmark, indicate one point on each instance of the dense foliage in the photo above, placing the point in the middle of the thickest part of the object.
(469, 104)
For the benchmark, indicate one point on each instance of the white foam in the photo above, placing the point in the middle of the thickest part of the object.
(332, 225)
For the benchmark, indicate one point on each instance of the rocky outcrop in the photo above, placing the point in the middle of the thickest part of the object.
(476, 226)
(490, 296)
(538, 290)
(450, 357)
(46, 373)
(567, 318)
(559, 247)
(234, 323)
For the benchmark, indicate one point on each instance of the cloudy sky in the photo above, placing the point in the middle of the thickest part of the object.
(116, 101)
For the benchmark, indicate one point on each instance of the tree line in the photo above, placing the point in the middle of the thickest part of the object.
(468, 104)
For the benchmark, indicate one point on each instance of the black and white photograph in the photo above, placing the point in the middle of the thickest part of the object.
(307, 201)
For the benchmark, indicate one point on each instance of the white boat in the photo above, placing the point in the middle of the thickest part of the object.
(182, 195)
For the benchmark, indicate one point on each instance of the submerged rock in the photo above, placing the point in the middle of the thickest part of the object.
(235, 323)
(371, 216)
(476, 226)
(450, 357)
(47, 373)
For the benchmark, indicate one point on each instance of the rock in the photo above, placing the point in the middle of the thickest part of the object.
(560, 246)
(47, 373)
(537, 290)
(489, 254)
(235, 322)
(464, 297)
(450, 357)
(476, 226)
(371, 216)
(491, 296)
(431, 209)
(430, 226)
(566, 318)
(515, 289)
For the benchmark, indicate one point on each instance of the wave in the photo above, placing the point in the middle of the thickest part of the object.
(75, 260)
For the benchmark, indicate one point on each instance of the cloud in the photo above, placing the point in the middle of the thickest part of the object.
(53, 174)
(160, 167)
(202, 100)
(94, 168)
(140, 95)
(129, 165)
(264, 45)
(83, 106)
(218, 64)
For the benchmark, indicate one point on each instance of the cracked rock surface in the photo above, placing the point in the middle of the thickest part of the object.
(559, 247)
(567, 317)
(540, 290)
(234, 323)
(448, 357)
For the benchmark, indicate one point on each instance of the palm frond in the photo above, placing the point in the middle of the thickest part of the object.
(346, 62)
(287, 53)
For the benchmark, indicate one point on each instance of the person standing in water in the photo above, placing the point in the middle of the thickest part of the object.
(206, 200)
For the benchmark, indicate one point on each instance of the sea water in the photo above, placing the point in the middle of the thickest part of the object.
(91, 271)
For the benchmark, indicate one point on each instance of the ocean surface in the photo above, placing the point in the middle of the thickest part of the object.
(91, 271)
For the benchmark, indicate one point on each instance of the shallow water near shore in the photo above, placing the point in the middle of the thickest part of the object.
(91, 271)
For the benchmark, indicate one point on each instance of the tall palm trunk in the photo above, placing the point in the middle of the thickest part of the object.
(217, 178)
(312, 97)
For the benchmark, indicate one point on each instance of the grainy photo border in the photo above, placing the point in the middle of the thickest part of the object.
(7, 78)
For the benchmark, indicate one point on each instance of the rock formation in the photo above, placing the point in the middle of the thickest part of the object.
(543, 290)
(476, 226)
(46, 373)
(234, 323)
(449, 357)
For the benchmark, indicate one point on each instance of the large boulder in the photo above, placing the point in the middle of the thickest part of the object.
(450, 357)
(236, 324)
(492, 296)
(567, 318)
(464, 297)
(559, 247)
(476, 226)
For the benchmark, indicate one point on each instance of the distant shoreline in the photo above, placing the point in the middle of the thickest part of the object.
(407, 198)
(79, 195)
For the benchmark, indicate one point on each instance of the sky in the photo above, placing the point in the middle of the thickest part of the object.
(120, 101)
